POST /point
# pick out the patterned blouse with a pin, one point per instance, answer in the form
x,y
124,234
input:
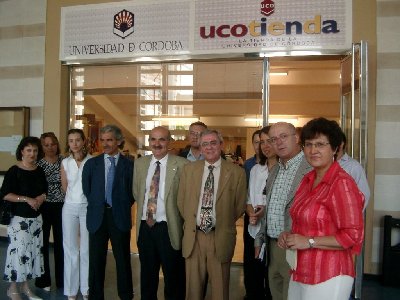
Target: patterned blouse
x,y
333,208
53,176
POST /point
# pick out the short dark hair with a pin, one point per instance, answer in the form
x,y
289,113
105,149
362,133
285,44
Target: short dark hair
x,y
263,158
198,123
329,128
53,138
344,140
26,141
257,132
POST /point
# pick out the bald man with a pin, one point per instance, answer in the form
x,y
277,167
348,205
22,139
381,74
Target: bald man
x,y
282,184
159,224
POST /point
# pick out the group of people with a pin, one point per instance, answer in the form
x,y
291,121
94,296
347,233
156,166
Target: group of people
x,y
303,221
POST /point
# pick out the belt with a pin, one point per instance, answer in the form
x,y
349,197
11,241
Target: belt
x,y
273,239
198,228
161,222
107,205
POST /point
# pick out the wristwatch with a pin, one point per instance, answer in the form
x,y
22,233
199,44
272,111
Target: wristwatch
x,y
311,242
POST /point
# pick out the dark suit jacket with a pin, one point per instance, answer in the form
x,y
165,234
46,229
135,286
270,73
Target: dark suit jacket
x,y
229,206
93,184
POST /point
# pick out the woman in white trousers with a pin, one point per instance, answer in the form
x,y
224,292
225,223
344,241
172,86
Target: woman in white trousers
x,y
75,234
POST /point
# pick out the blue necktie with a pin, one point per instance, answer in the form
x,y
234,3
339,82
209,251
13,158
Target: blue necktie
x,y
110,180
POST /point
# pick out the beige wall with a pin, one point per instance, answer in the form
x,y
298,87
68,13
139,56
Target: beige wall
x,y
387,142
364,28
22,43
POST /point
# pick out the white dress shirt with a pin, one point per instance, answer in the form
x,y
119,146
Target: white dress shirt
x,y
161,214
216,173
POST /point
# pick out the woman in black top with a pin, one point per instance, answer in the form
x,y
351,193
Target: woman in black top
x,y
25,186
51,211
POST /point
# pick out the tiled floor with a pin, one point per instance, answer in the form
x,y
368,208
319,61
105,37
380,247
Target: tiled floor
x,y
372,289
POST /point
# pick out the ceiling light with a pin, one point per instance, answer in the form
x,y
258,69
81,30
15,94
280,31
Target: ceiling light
x,y
278,73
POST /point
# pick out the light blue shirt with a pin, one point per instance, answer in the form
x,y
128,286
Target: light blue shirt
x,y
107,165
191,157
355,170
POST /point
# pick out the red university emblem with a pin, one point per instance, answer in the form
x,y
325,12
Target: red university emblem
x,y
267,7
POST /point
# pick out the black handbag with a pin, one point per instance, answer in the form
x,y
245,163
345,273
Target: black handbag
x,y
5,213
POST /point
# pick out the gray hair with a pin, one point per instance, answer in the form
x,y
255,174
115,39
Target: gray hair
x,y
116,131
212,131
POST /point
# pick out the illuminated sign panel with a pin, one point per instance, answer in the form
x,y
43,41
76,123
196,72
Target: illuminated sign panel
x,y
149,28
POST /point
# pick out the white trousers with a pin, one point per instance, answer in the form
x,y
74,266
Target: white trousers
x,y
336,288
76,249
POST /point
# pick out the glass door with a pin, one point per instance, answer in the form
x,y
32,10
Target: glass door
x,y
354,79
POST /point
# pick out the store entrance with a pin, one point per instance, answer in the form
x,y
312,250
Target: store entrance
x,y
227,95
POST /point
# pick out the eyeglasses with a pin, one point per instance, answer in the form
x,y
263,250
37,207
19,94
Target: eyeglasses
x,y
212,144
317,145
282,137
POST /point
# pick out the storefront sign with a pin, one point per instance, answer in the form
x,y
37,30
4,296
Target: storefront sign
x,y
148,28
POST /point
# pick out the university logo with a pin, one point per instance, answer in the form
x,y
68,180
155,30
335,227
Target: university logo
x,y
267,7
123,23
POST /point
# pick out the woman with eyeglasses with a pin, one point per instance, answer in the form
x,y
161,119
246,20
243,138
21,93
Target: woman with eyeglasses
x,y
75,233
52,211
327,228
25,188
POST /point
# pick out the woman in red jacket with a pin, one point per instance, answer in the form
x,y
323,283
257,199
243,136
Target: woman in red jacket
x,y
327,228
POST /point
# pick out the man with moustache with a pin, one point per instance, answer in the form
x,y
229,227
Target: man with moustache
x,y
159,224
211,198
281,187
107,184
194,152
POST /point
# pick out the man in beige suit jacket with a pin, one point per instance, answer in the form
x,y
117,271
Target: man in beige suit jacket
x,y
210,252
160,243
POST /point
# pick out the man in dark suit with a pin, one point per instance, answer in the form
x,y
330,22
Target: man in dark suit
x,y
109,213
211,197
159,224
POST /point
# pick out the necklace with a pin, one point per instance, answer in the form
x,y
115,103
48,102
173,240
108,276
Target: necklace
x,y
29,167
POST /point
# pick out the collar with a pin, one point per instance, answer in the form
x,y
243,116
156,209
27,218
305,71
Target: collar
x,y
217,164
190,154
163,161
292,161
345,157
116,156
329,176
